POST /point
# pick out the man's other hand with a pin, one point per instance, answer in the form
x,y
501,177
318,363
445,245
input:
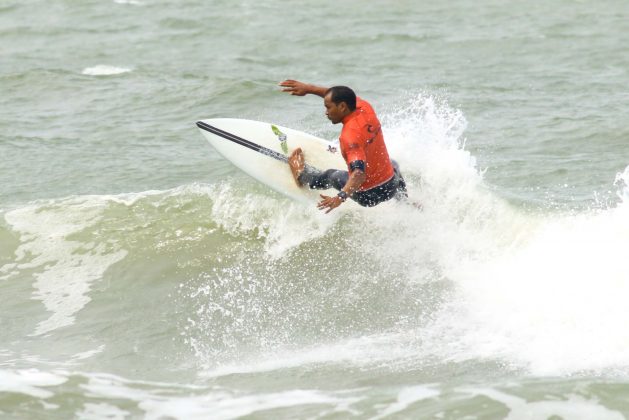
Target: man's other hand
x,y
295,87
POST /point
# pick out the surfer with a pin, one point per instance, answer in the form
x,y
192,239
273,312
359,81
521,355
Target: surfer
x,y
371,177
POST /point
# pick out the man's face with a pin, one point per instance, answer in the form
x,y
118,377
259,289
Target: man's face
x,y
334,112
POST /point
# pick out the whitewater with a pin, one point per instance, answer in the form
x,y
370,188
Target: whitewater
x,y
256,285
143,276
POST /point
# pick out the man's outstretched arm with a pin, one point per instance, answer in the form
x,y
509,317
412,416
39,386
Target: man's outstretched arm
x,y
298,88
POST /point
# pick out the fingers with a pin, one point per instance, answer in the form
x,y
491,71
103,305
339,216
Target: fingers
x,y
289,85
324,202
293,87
321,204
329,203
291,90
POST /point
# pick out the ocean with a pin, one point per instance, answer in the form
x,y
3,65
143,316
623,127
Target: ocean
x,y
143,276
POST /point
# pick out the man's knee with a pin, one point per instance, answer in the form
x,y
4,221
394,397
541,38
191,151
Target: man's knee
x,y
337,178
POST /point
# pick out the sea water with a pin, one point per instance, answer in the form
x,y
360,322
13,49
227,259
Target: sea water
x,y
143,276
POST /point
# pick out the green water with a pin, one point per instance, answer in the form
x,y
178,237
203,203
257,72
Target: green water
x,y
143,276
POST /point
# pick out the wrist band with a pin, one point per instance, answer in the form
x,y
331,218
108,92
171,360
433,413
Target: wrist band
x,y
342,195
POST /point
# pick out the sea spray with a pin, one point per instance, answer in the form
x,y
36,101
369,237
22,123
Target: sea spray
x,y
469,277
365,272
553,303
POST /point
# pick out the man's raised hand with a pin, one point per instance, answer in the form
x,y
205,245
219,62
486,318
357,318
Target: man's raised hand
x,y
295,87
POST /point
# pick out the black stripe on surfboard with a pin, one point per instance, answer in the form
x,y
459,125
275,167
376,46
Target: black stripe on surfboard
x,y
248,144
243,142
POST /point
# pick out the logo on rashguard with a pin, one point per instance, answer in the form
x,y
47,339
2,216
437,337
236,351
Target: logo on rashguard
x,y
371,130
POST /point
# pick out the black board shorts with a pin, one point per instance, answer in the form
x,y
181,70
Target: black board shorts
x,y
336,178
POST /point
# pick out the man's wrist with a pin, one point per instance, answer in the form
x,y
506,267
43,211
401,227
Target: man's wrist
x,y
342,195
316,90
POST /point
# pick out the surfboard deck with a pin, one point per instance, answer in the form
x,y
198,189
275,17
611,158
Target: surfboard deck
x,y
261,150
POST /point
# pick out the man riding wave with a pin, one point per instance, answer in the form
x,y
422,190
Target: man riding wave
x,y
372,177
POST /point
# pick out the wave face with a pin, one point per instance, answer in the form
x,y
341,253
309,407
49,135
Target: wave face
x,y
468,278
231,280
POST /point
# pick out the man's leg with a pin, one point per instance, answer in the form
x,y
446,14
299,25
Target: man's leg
x,y
401,192
332,178
315,179
395,188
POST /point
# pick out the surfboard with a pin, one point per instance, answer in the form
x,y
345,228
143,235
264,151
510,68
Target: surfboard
x,y
261,150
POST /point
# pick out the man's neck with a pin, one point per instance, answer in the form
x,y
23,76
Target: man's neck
x,y
347,117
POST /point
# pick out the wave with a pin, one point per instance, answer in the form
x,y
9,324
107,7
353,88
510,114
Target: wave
x,y
133,2
468,278
105,70
66,394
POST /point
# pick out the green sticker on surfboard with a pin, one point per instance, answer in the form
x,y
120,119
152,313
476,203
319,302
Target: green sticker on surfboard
x,y
281,137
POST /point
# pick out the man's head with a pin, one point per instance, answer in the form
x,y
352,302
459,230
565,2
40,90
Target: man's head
x,y
339,102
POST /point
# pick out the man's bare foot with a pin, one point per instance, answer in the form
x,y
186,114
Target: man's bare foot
x,y
297,164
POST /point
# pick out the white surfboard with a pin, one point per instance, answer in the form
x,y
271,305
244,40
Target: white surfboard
x,y
261,150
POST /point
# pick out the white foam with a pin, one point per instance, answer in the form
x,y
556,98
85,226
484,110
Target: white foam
x,y
89,353
134,2
104,70
543,293
460,222
406,397
48,406
554,304
361,351
283,224
216,403
30,382
622,183
574,407
63,269
460,219
102,411
226,406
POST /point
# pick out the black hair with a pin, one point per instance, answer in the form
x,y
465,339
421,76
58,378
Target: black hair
x,y
340,94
